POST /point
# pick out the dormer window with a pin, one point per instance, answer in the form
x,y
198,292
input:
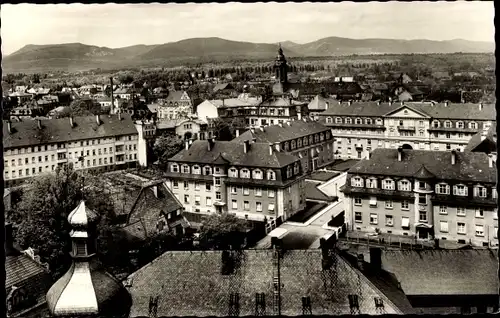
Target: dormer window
x,y
371,183
368,121
388,184
460,190
299,142
359,121
207,171
322,137
293,144
311,139
327,135
185,169
379,121
196,169
460,124
271,175
245,173
404,185
257,174
442,188
480,191
306,141
338,120
435,124
357,182
174,167
296,168
289,172
447,124
328,120
348,120
287,146
233,173
473,125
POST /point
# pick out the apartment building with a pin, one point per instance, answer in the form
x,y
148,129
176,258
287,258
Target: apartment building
x,y
360,127
445,195
251,180
176,105
308,140
35,147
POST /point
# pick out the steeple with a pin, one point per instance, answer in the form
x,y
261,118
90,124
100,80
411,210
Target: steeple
x,y
281,67
86,289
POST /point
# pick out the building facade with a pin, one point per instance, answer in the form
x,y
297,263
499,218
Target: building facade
x,y
176,105
32,148
360,127
428,194
250,180
308,140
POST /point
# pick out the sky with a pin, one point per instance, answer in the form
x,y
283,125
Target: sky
x,y
119,25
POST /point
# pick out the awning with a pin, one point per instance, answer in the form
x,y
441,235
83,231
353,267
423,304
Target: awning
x,y
405,222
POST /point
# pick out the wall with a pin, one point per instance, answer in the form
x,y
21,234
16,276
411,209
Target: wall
x,y
206,110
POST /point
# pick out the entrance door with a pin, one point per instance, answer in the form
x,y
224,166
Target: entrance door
x,y
359,154
314,164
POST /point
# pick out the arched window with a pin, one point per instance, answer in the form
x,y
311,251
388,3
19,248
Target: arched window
x,y
480,191
311,139
327,135
338,120
321,136
447,124
359,121
287,146
271,175
185,169
388,184
289,171
460,124
460,190
472,125
357,182
296,168
245,173
371,183
207,170
299,142
196,169
368,121
305,142
257,174
233,173
348,120
174,167
435,124
442,188
404,185
293,144
379,121
328,120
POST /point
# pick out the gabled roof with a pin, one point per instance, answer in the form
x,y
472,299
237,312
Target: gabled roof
x,y
444,272
469,166
27,133
223,86
174,95
277,133
257,156
488,144
200,272
313,193
423,173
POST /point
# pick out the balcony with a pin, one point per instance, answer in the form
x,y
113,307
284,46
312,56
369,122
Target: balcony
x,y
406,128
59,150
119,142
422,207
358,146
120,150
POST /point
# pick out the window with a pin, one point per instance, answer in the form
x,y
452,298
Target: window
x,y
435,124
358,217
258,206
460,190
368,121
186,184
208,187
174,168
233,172
461,211
494,193
389,220
404,185
217,181
460,228
460,124
480,192
348,120
257,174
388,184
271,193
405,222
472,125
358,201
442,188
443,226
207,170
443,209
175,184
422,216
479,230
245,173
271,175
371,183
270,208
246,191
235,205
246,205
479,213
373,201
218,195
422,199
208,201
357,182
196,170
234,190
388,204
358,121
373,218
447,124
186,198
338,120
258,192
197,186
197,200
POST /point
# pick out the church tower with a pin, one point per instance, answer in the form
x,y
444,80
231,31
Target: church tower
x,y
281,67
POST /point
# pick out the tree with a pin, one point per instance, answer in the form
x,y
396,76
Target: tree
x,y
166,146
83,107
41,215
222,231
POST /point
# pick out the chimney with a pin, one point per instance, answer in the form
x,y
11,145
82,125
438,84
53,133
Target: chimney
x,y
155,190
97,119
39,122
223,104
327,105
186,144
280,124
480,106
262,128
340,102
246,146
119,115
369,154
402,103
299,116
446,104
9,126
190,142
71,123
252,130
360,260
453,156
376,258
211,143
490,160
254,140
349,103
390,102
271,149
378,103
483,135
112,96
400,154
277,146
237,132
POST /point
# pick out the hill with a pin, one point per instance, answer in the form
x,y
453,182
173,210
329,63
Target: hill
x,y
77,56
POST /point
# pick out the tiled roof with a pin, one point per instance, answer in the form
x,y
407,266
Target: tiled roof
x,y
257,156
276,133
26,133
489,144
223,86
235,102
343,165
469,166
190,283
172,123
313,193
467,111
323,175
444,272
174,95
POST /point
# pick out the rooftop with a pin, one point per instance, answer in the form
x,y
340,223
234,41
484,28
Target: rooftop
x,y
313,193
469,166
324,176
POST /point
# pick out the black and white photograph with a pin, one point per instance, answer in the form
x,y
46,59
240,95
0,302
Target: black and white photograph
x,y
249,159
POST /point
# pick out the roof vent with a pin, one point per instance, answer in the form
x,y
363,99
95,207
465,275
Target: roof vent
x,y
400,154
39,122
480,106
9,126
490,160
277,146
453,156
211,143
97,119
246,146
378,103
262,128
271,149
71,123
446,104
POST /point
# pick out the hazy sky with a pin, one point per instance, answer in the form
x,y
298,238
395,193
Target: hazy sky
x,y
118,25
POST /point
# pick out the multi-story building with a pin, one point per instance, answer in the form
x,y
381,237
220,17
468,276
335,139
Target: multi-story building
x,y
251,180
446,195
186,128
308,140
361,127
35,147
176,105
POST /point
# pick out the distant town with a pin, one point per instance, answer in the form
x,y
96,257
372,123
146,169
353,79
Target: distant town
x,y
293,186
